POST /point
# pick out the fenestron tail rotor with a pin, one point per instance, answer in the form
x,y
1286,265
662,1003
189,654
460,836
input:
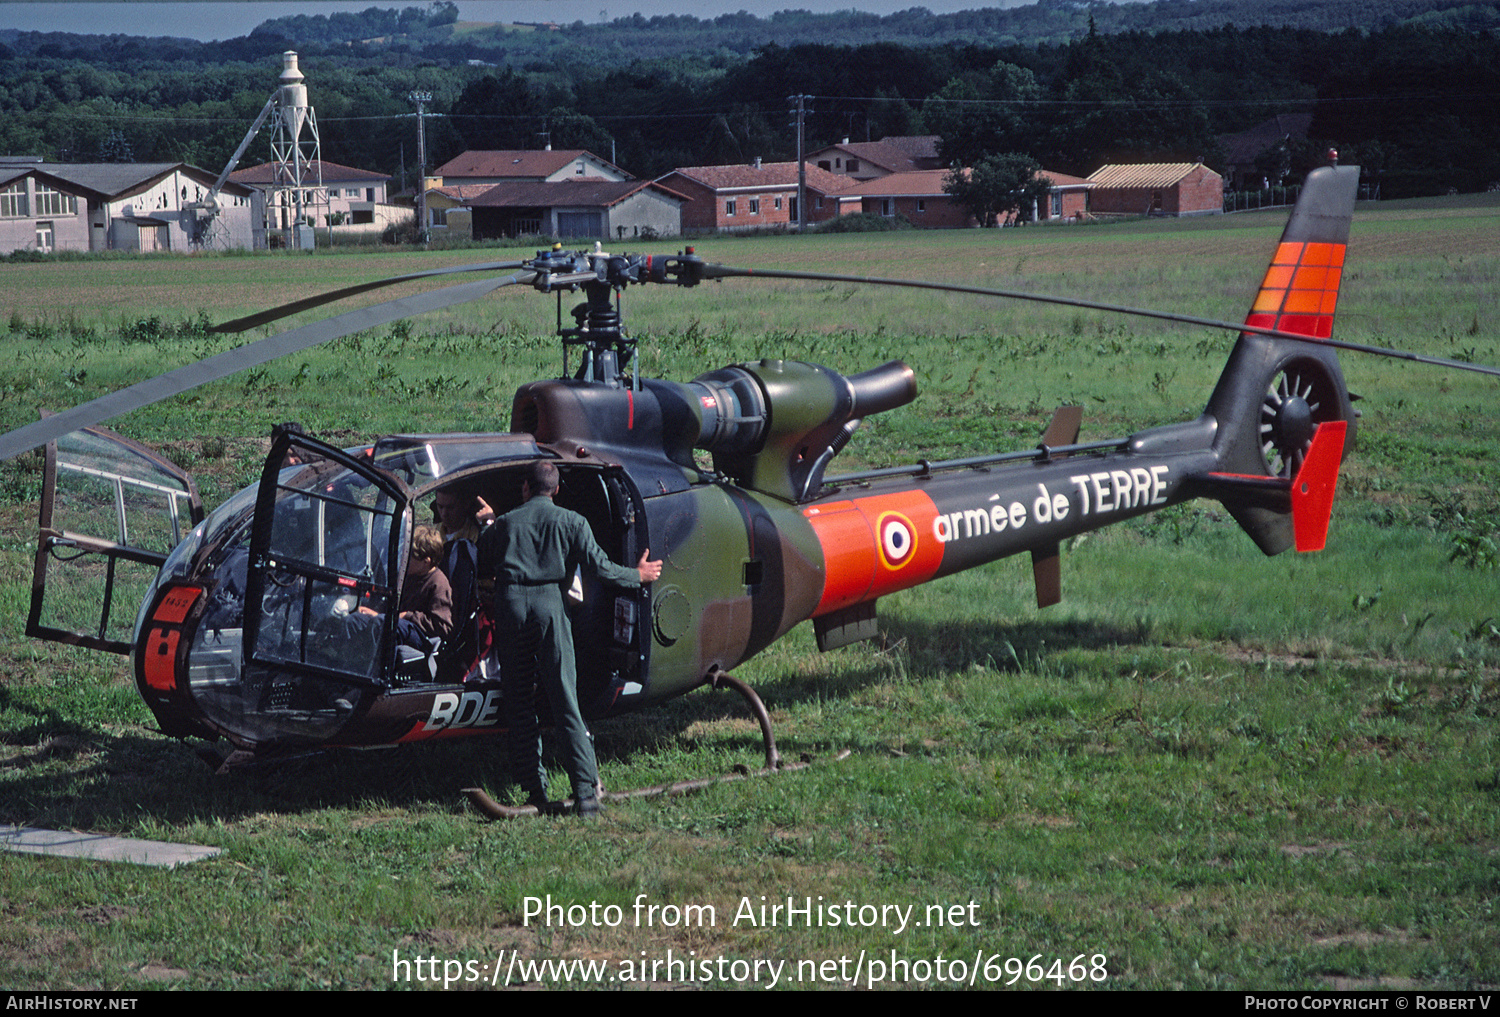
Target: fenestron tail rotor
x,y
1299,398
214,368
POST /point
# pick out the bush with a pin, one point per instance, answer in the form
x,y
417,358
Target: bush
x,y
864,222
403,232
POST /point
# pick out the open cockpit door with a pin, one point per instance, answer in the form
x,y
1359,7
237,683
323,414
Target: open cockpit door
x,y
111,512
327,550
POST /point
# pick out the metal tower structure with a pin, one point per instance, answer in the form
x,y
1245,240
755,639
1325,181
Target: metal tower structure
x,y
296,197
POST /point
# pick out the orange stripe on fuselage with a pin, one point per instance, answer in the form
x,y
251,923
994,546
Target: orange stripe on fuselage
x,y
874,545
1301,289
159,654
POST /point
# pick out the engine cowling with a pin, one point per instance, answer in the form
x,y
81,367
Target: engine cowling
x,y
771,426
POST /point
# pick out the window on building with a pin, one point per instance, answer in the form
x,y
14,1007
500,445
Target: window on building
x,y
13,204
51,202
778,204
44,237
755,206
823,164
729,206
1057,204
921,205
578,172
852,166
886,207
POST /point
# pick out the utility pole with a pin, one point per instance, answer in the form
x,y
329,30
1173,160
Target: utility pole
x,y
421,99
800,112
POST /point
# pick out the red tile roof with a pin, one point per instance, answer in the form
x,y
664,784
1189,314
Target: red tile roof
x,y
585,192
767,174
916,182
896,154
1063,179
515,163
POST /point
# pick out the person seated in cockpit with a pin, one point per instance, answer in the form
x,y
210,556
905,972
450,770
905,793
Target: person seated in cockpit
x,y
461,515
426,607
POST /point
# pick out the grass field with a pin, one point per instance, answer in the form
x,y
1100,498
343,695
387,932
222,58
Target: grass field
x,y
1204,769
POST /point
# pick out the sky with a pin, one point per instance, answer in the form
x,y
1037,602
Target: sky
x,y
228,19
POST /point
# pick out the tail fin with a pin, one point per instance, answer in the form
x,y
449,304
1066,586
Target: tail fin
x,y
1274,393
1312,488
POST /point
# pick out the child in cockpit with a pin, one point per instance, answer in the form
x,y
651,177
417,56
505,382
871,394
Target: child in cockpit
x,y
426,608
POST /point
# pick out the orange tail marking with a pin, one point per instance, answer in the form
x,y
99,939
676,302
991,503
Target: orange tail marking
x,y
1301,289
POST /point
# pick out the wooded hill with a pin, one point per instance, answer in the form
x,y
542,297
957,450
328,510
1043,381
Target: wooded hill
x,y
1408,88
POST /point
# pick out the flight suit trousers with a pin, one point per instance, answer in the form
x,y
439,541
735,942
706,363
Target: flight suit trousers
x,y
536,652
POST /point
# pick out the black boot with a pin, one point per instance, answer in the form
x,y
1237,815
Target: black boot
x,y
586,803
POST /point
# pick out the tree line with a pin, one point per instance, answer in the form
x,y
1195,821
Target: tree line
x,y
1416,100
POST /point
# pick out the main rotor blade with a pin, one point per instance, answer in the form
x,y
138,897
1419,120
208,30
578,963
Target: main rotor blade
x,y
307,303
223,365
711,271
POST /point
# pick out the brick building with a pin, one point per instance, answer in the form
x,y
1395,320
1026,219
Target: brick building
x,y
1175,188
917,195
756,196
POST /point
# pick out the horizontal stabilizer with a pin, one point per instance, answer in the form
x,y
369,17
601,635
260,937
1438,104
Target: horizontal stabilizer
x,y
1063,430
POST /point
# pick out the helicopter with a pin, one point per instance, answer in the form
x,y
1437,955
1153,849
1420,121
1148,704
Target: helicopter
x,y
250,631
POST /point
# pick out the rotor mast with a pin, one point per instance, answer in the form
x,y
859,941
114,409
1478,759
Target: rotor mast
x,y
598,328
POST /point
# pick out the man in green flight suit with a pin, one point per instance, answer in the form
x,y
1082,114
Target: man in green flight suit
x,y
532,552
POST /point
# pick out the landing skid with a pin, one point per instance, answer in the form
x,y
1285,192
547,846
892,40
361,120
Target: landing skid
x,y
717,680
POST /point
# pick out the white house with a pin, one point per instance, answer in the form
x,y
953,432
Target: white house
x,y
140,206
348,201
511,165
598,209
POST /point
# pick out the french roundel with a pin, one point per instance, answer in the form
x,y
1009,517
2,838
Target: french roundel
x,y
897,539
